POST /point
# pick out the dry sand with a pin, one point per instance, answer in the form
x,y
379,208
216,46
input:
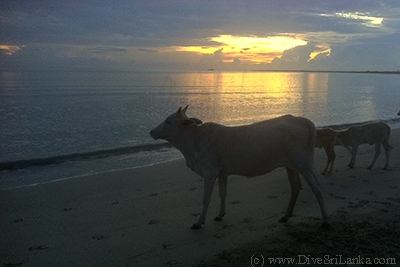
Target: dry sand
x,y
142,217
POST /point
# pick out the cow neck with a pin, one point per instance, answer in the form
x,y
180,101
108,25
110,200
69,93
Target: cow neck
x,y
189,142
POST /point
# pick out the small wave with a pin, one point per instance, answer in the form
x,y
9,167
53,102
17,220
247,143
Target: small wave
x,y
22,164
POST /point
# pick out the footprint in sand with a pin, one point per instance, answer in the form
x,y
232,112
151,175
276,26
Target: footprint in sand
x,y
174,263
100,237
248,220
41,247
337,196
166,245
219,235
361,203
154,221
12,264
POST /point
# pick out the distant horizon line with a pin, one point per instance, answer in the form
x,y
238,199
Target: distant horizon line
x,y
334,71
203,70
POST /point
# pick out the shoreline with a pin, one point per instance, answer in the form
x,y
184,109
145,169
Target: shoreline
x,y
12,166
142,217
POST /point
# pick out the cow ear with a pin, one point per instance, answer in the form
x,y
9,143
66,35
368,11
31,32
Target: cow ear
x,y
191,121
196,120
188,122
184,110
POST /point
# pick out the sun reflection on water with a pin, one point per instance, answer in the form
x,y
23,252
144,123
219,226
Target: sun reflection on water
x,y
242,98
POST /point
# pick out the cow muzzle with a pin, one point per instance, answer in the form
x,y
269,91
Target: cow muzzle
x,y
154,135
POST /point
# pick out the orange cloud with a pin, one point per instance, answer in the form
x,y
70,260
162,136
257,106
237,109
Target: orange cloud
x,y
251,49
322,49
10,49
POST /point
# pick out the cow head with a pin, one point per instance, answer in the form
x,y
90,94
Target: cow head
x,y
171,127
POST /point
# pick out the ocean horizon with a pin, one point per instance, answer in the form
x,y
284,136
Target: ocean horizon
x,y
57,125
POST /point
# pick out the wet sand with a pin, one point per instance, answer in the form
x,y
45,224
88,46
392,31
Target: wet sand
x,y
142,217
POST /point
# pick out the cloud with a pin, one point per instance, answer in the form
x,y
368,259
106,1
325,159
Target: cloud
x,y
365,18
147,33
107,49
294,58
147,50
253,49
10,49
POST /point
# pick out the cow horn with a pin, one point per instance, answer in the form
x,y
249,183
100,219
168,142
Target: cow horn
x,y
184,110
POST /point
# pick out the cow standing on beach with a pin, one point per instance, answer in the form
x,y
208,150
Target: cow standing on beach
x,y
327,138
216,151
377,133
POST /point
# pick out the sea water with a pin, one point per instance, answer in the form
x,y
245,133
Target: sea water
x,y
57,125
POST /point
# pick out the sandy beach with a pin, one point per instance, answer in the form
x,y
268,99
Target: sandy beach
x,y
142,217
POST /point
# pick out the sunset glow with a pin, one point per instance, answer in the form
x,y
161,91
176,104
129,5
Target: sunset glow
x,y
9,49
322,49
251,49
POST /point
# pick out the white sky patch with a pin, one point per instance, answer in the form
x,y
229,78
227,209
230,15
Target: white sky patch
x,y
368,20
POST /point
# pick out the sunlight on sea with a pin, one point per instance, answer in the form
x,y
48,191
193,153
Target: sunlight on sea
x,y
52,114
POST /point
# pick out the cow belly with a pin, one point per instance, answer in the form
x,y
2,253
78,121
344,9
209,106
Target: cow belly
x,y
252,166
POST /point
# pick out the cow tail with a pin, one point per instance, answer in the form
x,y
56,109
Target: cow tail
x,y
313,137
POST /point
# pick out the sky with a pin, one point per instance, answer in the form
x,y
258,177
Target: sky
x,y
189,35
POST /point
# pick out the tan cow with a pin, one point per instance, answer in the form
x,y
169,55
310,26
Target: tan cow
x,y
326,139
216,151
377,133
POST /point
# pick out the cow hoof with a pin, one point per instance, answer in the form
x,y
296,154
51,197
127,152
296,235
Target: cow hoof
x,y
283,220
196,226
218,219
326,225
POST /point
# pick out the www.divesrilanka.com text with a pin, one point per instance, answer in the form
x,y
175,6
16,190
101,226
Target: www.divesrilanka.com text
x,y
260,260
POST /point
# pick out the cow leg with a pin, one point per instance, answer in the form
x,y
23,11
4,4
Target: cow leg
x,y
327,161
377,153
330,154
353,156
313,183
222,186
295,186
326,167
387,148
332,158
209,182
